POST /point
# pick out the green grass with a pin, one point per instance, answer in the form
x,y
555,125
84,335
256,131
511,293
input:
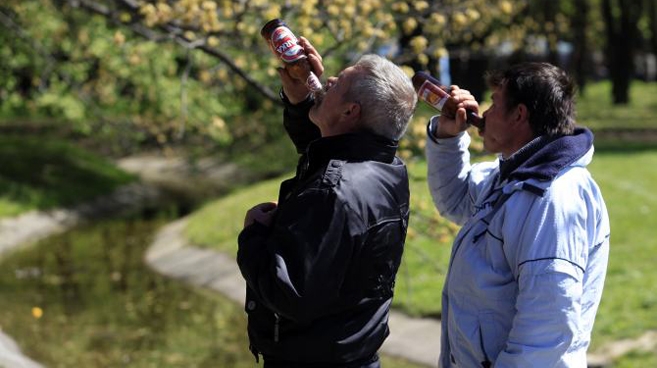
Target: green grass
x,y
630,296
43,173
596,111
637,359
217,224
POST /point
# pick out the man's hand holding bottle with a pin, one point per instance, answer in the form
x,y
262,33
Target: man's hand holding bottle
x,y
297,90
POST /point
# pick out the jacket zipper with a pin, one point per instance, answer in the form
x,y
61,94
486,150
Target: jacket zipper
x,y
276,325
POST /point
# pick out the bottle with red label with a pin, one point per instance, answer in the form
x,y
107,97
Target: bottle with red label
x,y
283,42
433,93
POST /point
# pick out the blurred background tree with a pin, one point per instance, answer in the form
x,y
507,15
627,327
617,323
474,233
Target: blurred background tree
x,y
157,72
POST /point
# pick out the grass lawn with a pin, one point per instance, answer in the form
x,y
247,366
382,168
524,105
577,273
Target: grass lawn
x,y
595,109
630,297
44,172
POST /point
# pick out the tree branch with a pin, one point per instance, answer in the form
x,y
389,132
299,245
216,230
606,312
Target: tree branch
x,y
174,33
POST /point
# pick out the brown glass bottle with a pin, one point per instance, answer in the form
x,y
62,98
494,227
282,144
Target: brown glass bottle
x,y
283,42
433,93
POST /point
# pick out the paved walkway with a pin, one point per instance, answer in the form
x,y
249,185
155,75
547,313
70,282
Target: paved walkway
x,y
414,339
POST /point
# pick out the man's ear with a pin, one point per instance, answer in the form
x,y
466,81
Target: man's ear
x,y
521,114
351,111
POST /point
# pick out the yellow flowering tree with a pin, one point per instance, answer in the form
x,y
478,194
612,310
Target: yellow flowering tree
x,y
201,65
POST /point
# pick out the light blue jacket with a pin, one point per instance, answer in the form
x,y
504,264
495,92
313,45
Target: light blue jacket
x,y
525,278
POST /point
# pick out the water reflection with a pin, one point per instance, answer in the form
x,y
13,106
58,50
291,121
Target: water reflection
x,y
85,299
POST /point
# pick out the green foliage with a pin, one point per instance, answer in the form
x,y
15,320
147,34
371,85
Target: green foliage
x,y
160,71
39,173
78,68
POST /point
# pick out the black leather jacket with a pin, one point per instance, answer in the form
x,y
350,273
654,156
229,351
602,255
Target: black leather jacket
x,y
320,279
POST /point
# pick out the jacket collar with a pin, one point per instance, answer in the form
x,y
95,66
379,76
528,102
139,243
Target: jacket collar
x,y
351,147
544,157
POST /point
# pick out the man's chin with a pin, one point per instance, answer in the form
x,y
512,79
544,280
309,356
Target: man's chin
x,y
318,96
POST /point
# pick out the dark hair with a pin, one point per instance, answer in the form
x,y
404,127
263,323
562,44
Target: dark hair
x,y
546,90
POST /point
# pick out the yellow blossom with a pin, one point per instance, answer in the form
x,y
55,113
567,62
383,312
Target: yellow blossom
x,y
401,7
423,59
272,11
333,10
460,19
506,7
119,38
209,5
408,70
472,14
409,25
421,5
190,35
213,41
218,122
125,17
418,44
37,312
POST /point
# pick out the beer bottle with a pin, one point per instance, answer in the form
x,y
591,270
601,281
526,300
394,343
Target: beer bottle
x,y
433,93
283,42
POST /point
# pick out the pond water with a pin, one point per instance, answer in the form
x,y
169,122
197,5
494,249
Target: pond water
x,y
85,298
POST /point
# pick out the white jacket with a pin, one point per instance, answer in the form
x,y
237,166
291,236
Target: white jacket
x,y
525,277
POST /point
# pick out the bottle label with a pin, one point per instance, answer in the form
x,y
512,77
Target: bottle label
x,y
286,45
433,95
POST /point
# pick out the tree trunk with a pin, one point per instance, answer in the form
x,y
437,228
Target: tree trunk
x,y
467,71
580,60
652,18
621,37
550,8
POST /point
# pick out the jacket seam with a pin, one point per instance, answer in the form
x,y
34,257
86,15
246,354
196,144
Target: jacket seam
x,y
552,258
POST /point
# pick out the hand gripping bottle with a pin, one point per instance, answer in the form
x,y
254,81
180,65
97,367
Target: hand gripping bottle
x,y
430,91
283,42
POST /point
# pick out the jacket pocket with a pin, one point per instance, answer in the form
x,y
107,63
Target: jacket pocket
x,y
492,337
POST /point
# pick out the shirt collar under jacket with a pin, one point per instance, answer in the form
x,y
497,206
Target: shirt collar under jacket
x,y
544,157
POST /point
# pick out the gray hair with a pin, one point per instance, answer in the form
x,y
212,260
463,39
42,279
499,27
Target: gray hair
x,y
386,96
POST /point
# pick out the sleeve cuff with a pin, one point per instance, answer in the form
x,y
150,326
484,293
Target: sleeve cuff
x,y
432,126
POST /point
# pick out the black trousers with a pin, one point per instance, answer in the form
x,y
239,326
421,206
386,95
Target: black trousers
x,y
372,362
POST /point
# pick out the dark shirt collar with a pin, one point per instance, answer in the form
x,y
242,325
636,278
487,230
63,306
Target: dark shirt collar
x,y
353,147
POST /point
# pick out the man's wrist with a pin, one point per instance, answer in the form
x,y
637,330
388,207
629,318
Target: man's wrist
x,y
434,133
309,98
